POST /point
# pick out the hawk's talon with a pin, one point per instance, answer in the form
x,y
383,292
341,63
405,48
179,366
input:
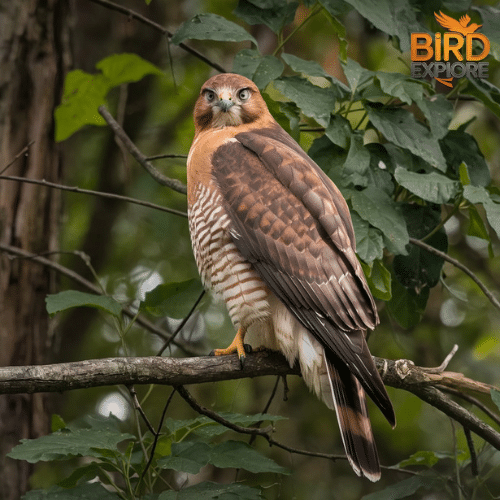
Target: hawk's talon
x,y
236,346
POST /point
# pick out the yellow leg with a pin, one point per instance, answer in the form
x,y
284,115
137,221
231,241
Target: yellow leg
x,y
236,345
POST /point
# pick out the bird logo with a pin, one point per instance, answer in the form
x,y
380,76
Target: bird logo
x,y
461,26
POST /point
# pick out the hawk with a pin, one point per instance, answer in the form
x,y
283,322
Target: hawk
x,y
272,235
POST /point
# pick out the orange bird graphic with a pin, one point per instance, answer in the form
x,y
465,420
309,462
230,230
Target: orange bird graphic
x,y
457,26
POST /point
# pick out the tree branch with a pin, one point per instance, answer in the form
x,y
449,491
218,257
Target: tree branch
x,y
460,266
75,189
140,320
174,184
401,374
158,27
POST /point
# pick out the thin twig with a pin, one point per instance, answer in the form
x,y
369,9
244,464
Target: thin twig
x,y
472,450
263,433
174,184
95,289
75,189
266,408
181,326
159,157
442,367
248,430
156,437
460,266
471,399
138,407
23,151
158,27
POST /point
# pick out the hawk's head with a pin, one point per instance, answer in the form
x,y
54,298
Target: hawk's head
x,y
228,100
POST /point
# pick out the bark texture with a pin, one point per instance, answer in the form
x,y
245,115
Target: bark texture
x,y
33,57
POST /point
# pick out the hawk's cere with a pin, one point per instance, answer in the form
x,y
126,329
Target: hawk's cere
x,y
272,235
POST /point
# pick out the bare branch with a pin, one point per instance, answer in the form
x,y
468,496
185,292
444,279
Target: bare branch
x,y
158,27
75,189
460,266
174,184
23,151
138,370
401,374
140,320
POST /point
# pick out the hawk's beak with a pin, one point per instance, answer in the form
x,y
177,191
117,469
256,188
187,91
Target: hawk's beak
x,y
225,101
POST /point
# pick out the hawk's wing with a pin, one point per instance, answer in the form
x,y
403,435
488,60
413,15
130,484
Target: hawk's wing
x,y
291,222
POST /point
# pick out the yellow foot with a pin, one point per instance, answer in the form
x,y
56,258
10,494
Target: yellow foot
x,y
237,346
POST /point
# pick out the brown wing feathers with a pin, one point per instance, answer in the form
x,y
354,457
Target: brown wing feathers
x,y
315,273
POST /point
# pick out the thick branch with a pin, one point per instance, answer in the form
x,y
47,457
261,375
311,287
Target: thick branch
x,y
146,370
401,374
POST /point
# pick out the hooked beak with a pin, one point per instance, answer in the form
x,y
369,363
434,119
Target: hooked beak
x,y
225,101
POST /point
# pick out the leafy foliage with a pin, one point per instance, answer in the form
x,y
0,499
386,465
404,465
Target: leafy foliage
x,y
388,141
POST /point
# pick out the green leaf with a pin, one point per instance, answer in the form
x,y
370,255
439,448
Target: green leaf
x,y
464,174
268,69
126,68
495,397
438,111
432,187
211,27
369,240
315,102
309,68
356,75
87,473
66,444
400,127
174,300
459,147
357,163
57,423
475,195
407,306
240,455
420,268
275,14
379,280
287,114
394,17
188,457
73,298
491,27
83,94
400,86
403,489
424,457
486,92
86,491
213,491
375,206
339,131
260,69
476,225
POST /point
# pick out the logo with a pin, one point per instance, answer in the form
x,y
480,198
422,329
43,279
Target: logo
x,y
433,59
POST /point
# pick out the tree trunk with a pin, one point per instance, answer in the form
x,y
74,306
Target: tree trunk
x,y
33,57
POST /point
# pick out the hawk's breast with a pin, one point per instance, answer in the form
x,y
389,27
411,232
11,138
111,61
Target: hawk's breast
x,y
221,265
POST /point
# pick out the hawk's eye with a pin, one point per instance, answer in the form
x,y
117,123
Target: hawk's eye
x,y
209,95
243,94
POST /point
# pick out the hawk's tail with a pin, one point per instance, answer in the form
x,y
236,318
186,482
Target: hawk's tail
x,y
349,400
